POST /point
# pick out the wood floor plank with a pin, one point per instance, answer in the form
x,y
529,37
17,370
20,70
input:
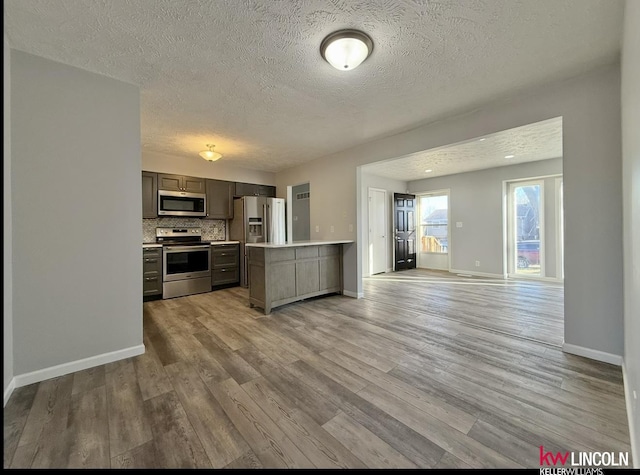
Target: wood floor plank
x,y
128,423
228,335
88,428
231,361
176,443
150,373
246,460
317,445
141,457
449,461
88,379
272,447
517,450
365,445
15,416
219,437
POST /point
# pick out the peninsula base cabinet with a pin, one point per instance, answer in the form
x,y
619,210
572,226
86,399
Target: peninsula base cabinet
x,y
278,276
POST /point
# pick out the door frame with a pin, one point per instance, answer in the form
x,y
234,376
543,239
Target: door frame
x,y
510,261
385,225
559,184
288,209
444,191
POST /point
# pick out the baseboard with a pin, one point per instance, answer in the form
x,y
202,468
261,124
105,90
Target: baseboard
x,y
390,269
477,274
79,365
593,354
354,295
628,397
9,391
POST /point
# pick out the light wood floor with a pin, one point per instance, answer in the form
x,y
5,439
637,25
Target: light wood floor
x,y
416,374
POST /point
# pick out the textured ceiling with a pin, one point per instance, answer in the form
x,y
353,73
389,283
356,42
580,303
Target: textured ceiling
x,y
529,143
247,75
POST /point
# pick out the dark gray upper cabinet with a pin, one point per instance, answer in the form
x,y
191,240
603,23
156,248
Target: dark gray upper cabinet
x,y
181,183
220,199
149,195
252,189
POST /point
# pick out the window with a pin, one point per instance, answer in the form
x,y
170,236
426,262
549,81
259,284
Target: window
x,y
434,223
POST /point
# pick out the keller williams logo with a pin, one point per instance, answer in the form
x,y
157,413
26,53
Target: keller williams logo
x,y
582,459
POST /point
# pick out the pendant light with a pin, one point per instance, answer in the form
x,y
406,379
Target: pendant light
x,y
346,49
210,155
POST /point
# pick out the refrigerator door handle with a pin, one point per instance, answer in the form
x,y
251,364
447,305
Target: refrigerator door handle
x,y
265,222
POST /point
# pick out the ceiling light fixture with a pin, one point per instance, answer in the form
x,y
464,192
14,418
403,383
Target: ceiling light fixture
x,y
428,171
482,140
509,156
210,155
346,49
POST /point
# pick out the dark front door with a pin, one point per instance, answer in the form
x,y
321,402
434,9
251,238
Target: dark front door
x,y
405,233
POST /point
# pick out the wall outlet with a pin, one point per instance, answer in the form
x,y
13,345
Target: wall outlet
x,y
477,263
458,224
317,228
332,229
351,228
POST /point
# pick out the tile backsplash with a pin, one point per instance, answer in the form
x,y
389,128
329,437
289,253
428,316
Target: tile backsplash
x,y
212,229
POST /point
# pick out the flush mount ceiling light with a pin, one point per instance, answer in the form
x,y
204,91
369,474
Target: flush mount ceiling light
x,y
210,155
509,156
346,49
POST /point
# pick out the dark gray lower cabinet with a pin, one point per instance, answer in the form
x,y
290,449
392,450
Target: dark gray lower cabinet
x,y
151,271
278,276
225,265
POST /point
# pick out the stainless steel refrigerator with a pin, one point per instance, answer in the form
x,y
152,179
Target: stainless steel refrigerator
x,y
256,219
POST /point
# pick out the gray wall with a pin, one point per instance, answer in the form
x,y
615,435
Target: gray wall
x,y
194,165
6,195
476,200
590,107
77,203
631,205
391,186
301,214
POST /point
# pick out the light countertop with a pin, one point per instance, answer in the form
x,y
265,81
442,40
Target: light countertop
x,y
218,243
151,244
213,243
269,245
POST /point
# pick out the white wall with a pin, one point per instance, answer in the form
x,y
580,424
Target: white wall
x,y
199,167
77,202
631,205
391,186
7,307
590,107
476,200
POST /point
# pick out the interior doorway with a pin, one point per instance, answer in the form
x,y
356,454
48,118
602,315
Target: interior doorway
x,y
299,212
378,230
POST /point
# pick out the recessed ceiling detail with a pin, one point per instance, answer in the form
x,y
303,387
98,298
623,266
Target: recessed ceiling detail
x,y
529,143
249,72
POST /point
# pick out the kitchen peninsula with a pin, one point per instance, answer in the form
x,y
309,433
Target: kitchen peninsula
x,y
283,273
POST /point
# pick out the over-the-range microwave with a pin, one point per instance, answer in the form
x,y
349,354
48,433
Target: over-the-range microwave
x,y
181,203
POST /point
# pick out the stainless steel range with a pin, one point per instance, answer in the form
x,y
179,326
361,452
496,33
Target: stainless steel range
x,y
186,262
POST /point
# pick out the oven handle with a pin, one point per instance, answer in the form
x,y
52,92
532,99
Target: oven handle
x,y
187,248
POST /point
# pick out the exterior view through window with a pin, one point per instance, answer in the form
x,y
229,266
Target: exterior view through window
x,y
434,223
528,209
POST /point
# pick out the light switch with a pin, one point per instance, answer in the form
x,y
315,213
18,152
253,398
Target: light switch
x,y
458,224
317,228
332,229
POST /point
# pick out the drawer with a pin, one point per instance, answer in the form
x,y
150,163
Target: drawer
x,y
152,285
306,252
151,252
229,259
330,250
224,248
151,265
225,275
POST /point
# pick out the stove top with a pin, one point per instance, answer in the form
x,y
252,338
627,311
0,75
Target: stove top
x,y
181,236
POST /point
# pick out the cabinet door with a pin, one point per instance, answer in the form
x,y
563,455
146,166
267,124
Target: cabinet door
x,y
149,195
193,185
220,199
246,189
170,182
267,190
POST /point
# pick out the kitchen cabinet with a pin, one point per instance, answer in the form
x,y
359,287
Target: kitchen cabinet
x,y
225,264
220,199
189,184
279,275
149,195
253,189
151,272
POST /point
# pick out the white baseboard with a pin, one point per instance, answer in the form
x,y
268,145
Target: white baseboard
x,y
79,365
390,269
9,390
477,274
628,397
354,295
593,354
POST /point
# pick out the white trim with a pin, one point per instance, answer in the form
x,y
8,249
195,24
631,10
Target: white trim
x,y
478,274
9,391
592,354
628,397
78,365
442,192
535,277
389,269
560,228
355,295
385,226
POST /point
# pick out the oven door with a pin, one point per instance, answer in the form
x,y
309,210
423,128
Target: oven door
x,y
186,262
181,203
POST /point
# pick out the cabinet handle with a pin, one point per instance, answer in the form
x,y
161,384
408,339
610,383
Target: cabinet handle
x,y
151,260
150,278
